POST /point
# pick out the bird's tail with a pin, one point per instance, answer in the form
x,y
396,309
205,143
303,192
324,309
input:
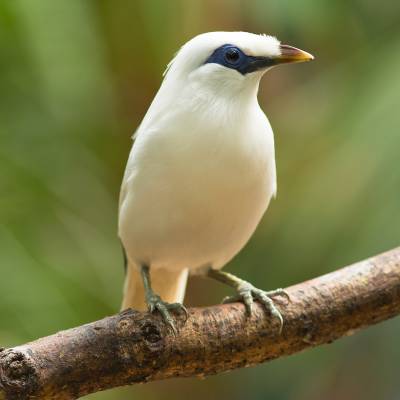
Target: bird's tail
x,y
169,285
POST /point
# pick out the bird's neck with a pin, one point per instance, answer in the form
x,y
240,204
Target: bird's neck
x,y
217,103
220,96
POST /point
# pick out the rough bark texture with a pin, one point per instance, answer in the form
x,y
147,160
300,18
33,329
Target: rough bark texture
x,y
133,347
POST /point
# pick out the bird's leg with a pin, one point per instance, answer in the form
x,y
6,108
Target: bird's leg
x,y
154,302
247,293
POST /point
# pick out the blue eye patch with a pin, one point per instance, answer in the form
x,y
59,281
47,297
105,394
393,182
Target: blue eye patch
x,y
232,57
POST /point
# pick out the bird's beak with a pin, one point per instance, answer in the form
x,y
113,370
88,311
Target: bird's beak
x,y
291,54
288,54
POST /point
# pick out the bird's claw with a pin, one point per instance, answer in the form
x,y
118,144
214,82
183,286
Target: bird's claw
x,y
247,293
154,303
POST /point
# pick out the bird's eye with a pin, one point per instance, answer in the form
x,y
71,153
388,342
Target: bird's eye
x,y
232,55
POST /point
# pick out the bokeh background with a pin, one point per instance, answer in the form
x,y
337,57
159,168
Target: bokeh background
x,y
76,78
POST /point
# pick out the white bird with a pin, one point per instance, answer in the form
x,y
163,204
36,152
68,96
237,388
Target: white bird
x,y
201,171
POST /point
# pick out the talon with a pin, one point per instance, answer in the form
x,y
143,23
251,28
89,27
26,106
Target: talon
x,y
279,292
231,299
163,309
286,295
180,308
278,315
248,293
270,306
185,311
248,302
154,303
172,327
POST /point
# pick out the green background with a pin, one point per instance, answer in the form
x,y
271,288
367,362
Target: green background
x,y
76,78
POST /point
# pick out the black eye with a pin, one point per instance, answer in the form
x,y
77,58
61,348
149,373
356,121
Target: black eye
x,y
232,55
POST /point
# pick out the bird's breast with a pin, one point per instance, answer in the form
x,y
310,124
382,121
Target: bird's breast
x,y
195,196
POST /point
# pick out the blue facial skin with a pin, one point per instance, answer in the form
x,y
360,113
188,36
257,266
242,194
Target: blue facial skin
x,y
232,57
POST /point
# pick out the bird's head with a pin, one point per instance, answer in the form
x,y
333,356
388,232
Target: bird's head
x,y
228,62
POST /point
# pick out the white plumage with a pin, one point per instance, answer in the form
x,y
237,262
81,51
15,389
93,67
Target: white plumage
x,y
201,171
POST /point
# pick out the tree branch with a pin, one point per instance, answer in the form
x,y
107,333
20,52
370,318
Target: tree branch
x,y
133,347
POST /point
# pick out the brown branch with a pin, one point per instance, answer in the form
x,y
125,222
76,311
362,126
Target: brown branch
x,y
133,347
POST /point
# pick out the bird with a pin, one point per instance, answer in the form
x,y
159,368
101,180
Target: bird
x,y
201,173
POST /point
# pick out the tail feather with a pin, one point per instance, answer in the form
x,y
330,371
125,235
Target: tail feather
x,y
169,285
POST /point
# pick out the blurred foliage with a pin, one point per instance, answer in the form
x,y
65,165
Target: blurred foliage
x,y
76,77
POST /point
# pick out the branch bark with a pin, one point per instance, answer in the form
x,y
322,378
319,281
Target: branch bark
x,y
133,347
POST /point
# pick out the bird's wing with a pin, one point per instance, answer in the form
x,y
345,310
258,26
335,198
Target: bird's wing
x,y
128,168
124,187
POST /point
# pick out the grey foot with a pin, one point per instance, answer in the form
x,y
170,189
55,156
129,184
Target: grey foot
x,y
154,303
247,293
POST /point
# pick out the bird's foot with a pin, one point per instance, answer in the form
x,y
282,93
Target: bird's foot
x,y
154,303
247,293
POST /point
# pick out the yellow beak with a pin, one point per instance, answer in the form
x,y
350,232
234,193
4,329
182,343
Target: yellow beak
x,y
291,54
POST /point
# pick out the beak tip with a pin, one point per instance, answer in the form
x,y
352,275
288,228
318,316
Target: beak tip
x,y
293,54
